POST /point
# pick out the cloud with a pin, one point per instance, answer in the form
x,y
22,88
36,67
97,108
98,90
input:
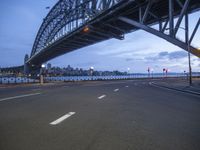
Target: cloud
x,y
129,59
168,56
177,55
163,54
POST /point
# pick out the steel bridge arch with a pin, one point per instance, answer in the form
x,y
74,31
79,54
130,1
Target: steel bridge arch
x,y
60,31
65,13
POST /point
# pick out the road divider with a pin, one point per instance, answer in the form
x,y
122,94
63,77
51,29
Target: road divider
x,y
61,119
20,96
101,97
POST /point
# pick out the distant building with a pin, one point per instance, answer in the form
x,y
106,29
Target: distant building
x,y
48,66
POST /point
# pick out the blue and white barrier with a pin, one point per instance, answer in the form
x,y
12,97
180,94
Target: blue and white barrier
x,y
16,80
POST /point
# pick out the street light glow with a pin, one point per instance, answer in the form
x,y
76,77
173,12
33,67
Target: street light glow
x,y
86,29
43,66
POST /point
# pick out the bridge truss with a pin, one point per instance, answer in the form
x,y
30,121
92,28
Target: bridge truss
x,y
73,24
67,16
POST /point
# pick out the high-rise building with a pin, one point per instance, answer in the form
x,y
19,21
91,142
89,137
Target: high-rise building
x,y
48,66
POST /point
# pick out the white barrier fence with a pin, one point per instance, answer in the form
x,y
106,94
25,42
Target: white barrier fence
x,y
92,78
16,80
123,77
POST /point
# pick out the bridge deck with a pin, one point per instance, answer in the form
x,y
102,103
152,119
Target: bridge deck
x,y
106,26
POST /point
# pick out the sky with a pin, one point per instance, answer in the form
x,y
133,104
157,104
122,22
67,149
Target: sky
x,y
20,22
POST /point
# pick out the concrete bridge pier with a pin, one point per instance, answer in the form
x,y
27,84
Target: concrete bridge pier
x,y
26,66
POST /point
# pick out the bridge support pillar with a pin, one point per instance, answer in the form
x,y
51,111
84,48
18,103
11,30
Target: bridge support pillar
x,y
26,66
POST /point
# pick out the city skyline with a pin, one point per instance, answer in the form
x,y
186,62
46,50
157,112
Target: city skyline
x,y
133,52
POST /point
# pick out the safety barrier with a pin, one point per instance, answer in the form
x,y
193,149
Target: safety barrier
x,y
16,80
91,78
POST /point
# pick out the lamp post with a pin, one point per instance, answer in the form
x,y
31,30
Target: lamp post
x,y
188,49
92,71
128,72
41,74
152,72
189,59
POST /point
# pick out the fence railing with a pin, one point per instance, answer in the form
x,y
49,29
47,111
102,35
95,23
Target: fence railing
x,y
17,80
121,77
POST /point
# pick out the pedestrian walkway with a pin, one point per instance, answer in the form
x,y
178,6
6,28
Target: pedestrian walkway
x,y
181,84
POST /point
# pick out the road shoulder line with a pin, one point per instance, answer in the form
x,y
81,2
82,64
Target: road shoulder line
x,y
171,88
20,96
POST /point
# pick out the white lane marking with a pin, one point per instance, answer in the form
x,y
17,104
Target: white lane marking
x,y
65,86
36,89
102,96
135,84
115,90
61,119
127,86
20,96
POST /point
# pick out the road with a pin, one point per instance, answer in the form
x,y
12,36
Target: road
x,y
104,115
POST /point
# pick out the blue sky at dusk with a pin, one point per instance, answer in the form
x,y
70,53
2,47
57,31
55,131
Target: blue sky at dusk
x,y
21,19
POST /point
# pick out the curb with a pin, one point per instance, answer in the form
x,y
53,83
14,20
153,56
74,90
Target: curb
x,y
185,91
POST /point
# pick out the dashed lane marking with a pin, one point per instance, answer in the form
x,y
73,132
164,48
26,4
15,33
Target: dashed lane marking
x,y
101,97
61,119
115,90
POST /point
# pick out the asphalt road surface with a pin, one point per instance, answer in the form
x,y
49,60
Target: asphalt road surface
x,y
106,115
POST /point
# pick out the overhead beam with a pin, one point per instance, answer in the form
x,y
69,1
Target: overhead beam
x,y
146,11
183,12
114,27
107,33
160,34
165,26
194,31
179,3
171,18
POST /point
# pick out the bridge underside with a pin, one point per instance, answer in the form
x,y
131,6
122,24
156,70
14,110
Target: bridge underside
x,y
125,17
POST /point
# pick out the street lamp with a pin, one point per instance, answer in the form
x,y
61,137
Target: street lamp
x,y
128,72
41,74
86,29
188,49
91,71
43,65
152,72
